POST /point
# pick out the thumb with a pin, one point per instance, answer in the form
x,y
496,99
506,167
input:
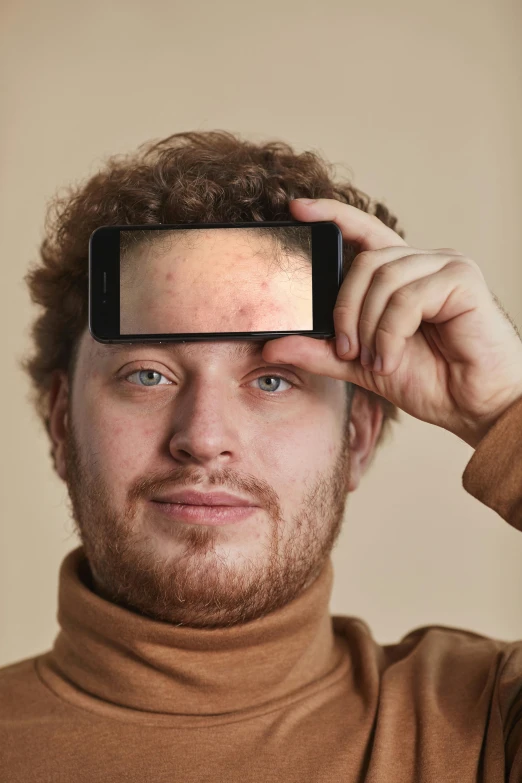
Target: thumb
x,y
316,356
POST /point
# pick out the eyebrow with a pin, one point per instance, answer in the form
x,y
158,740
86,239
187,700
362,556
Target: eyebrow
x,y
242,350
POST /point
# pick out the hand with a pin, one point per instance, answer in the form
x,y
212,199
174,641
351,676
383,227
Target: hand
x,y
440,347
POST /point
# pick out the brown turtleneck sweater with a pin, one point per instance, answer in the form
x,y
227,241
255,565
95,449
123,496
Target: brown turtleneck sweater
x,y
295,697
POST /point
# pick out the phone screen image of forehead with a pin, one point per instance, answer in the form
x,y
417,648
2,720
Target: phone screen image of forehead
x,y
215,280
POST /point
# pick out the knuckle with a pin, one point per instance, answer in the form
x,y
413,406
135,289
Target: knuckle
x,y
401,295
450,251
386,272
364,323
342,315
364,259
471,263
385,328
468,268
463,265
342,310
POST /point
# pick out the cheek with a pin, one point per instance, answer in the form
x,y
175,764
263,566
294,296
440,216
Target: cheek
x,y
331,449
121,444
291,454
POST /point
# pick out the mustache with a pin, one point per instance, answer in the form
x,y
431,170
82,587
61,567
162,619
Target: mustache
x,y
181,478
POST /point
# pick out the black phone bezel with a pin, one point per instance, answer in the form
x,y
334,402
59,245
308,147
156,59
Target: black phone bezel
x,y
104,282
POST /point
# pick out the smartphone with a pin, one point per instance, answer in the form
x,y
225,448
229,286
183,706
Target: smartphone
x,y
213,281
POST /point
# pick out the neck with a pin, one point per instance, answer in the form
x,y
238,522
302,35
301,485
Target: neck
x,y
133,661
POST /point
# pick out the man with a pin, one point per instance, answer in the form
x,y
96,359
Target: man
x,y
194,652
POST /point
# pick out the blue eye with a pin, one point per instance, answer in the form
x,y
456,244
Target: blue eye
x,y
150,377
147,376
272,378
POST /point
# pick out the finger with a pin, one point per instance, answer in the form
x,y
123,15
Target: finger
x,y
433,299
356,226
318,357
386,280
350,298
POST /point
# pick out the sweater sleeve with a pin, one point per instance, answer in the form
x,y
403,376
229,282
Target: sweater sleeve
x,y
494,473
494,476
507,704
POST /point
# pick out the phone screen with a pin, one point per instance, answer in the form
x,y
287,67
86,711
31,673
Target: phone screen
x,y
225,279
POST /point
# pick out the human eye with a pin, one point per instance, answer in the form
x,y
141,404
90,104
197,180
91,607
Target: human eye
x,y
148,375
272,377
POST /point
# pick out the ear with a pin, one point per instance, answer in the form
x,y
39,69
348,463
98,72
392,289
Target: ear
x,y
59,420
365,426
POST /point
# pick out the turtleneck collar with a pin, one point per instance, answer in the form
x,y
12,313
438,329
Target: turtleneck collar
x,y
115,655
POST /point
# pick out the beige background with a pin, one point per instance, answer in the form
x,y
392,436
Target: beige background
x,y
421,103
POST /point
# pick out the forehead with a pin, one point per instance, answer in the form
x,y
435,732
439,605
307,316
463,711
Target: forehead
x,y
219,280
212,246
235,350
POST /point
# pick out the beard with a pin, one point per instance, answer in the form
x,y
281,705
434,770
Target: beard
x,y
199,588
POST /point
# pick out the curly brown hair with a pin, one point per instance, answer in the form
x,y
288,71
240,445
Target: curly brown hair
x,y
192,177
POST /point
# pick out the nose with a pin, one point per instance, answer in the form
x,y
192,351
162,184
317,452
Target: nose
x,y
204,425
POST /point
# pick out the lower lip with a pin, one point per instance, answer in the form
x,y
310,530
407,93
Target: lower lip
x,y
205,515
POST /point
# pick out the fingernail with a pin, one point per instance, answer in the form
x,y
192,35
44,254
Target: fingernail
x,y
342,344
306,200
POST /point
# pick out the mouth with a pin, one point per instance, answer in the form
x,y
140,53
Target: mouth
x,y
192,497
199,514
